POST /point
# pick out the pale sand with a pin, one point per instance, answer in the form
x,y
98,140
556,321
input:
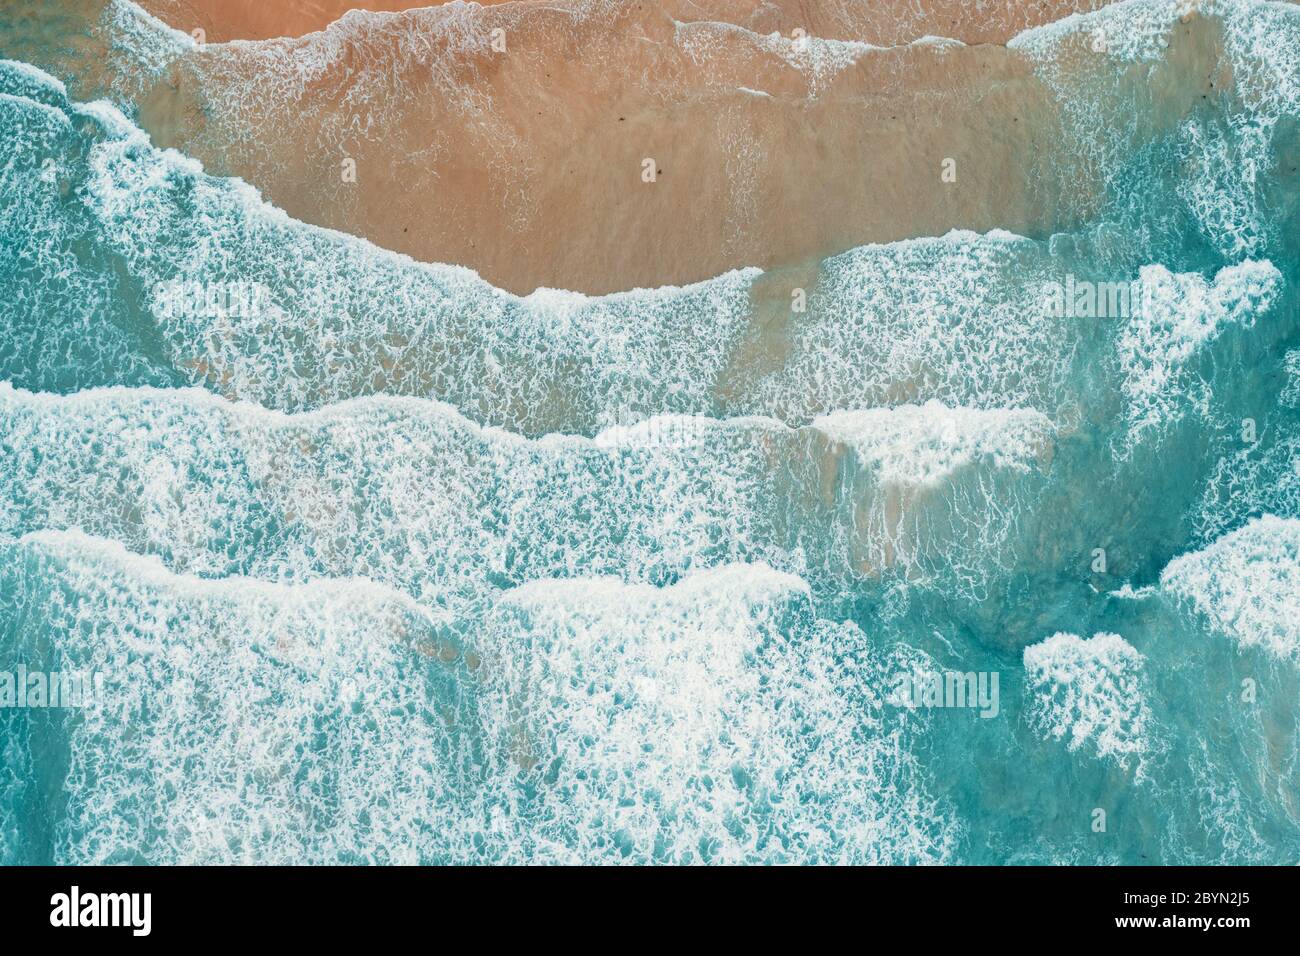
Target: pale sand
x,y
527,165
884,22
223,20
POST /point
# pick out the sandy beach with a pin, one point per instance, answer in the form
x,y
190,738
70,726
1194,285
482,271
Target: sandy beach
x,y
606,145
602,151
887,23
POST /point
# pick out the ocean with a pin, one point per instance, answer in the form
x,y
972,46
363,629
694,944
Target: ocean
x,y
902,467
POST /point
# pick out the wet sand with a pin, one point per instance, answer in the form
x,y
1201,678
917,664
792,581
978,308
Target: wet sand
x,y
884,23
610,146
530,166
223,20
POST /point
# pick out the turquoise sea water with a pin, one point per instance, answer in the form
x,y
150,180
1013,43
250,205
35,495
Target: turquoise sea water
x,y
398,567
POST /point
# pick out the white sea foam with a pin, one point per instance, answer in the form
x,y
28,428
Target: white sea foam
x,y
1090,693
714,721
923,445
892,324
1255,479
404,490
1181,317
23,79
1261,40
714,707
411,493
230,727
818,59
1290,394
1132,31
1246,585
1103,66
940,495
